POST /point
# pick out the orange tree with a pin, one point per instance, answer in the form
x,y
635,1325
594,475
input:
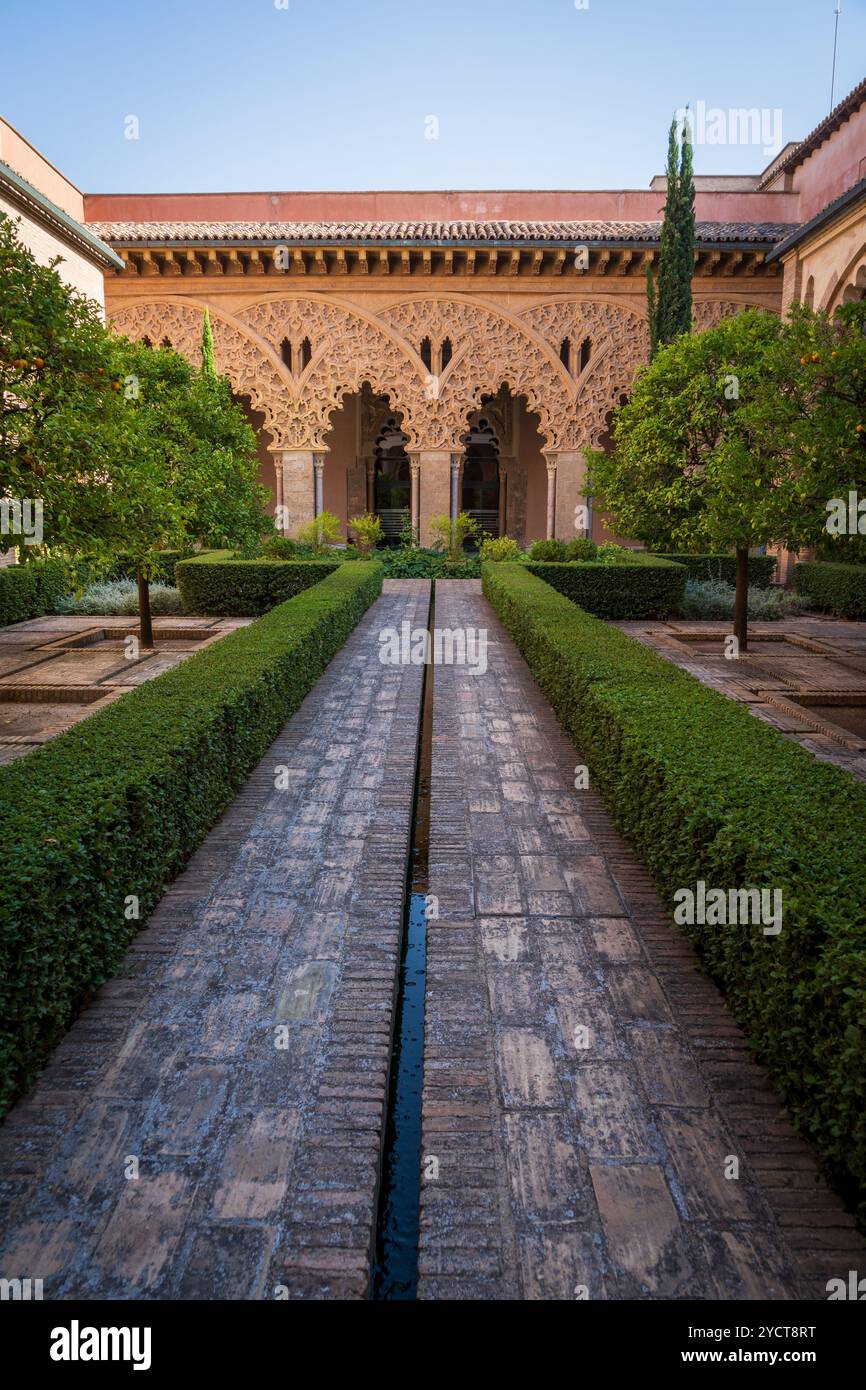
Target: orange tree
x,y
62,414
707,452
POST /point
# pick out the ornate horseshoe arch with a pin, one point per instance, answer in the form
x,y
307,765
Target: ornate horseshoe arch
x,y
348,347
490,349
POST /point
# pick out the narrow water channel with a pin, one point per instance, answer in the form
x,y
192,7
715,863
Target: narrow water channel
x,y
395,1272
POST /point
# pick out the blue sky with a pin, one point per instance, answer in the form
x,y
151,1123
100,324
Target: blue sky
x,y
328,94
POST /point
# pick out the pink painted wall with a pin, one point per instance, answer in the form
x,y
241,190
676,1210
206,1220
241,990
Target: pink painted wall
x,y
20,155
833,168
529,453
639,205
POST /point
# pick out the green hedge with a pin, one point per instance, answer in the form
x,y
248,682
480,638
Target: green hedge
x,y
703,790
220,583
115,806
644,587
761,567
162,564
30,590
837,589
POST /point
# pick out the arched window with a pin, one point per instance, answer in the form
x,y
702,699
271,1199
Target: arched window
x,y
565,353
447,352
286,353
426,353
583,359
306,353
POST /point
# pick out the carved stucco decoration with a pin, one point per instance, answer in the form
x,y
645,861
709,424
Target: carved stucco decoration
x,y
619,345
248,363
707,313
490,350
348,349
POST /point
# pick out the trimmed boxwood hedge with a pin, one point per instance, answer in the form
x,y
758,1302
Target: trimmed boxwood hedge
x,y
220,583
162,564
31,590
643,587
703,790
835,588
724,567
114,807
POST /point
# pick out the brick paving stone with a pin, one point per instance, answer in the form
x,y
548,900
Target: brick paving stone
x,y
241,1055
585,1087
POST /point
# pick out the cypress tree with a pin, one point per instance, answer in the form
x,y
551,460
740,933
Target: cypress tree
x,y
208,363
669,303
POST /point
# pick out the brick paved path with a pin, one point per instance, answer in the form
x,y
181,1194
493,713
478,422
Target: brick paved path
x,y
258,1164
566,1167
559,1166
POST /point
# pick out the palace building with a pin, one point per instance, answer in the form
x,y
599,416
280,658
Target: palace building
x,y
422,353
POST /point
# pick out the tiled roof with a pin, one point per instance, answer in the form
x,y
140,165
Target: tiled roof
x,y
823,130
120,233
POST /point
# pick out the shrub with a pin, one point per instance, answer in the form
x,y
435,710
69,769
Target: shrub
x,y
837,589
30,590
282,548
723,567
499,549
222,584
712,598
115,806
453,533
640,587
119,597
322,533
367,530
581,548
414,562
550,550
705,791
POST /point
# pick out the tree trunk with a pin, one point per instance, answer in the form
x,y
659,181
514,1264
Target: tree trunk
x,y
145,624
741,600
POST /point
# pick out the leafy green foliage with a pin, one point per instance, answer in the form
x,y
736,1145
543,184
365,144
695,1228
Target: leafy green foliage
x,y
116,806
367,532
581,548
208,362
499,548
703,790
452,533
553,551
221,583
641,587
322,533
836,589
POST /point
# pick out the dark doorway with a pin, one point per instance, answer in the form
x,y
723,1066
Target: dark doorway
x,y
480,493
393,481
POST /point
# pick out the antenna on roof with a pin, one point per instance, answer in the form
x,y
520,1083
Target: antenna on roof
x,y
837,12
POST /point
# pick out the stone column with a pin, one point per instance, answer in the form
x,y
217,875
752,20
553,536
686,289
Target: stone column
x,y
319,470
455,486
298,495
551,460
434,490
415,494
279,509
570,494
